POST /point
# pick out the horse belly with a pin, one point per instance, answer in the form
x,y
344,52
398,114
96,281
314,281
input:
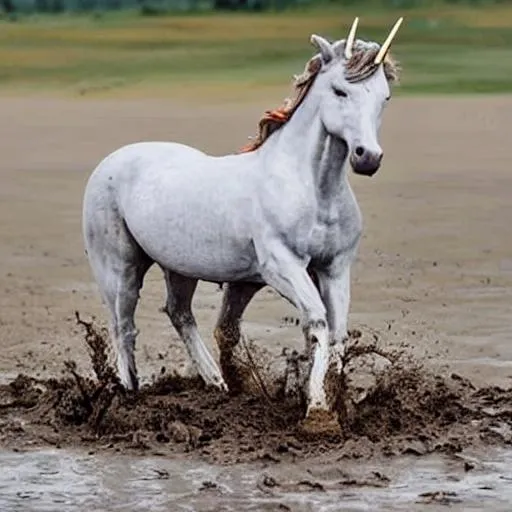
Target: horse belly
x,y
212,257
201,239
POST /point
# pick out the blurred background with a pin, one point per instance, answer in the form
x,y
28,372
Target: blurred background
x,y
192,46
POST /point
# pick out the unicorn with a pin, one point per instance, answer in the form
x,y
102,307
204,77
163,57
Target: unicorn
x,y
280,213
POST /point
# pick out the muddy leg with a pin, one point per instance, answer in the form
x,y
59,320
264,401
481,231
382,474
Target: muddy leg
x,y
288,277
227,331
335,291
127,296
120,277
334,285
120,292
180,291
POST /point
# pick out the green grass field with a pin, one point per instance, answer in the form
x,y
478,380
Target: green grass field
x,y
442,50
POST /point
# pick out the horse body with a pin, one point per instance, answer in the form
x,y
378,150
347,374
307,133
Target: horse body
x,y
162,190
265,217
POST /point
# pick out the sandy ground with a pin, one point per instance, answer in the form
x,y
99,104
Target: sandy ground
x,y
434,266
434,271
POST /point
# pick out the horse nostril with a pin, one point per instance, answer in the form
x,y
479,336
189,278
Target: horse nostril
x,y
359,151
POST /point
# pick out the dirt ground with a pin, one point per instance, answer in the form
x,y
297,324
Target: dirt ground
x,y
434,271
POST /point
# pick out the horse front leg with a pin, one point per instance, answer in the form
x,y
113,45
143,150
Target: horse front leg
x,y
334,286
286,274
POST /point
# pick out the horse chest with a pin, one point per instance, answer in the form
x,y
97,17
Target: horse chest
x,y
335,232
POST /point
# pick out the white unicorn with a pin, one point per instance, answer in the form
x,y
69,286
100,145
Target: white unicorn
x,y
275,214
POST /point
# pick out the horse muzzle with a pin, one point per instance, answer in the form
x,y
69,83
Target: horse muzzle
x,y
365,162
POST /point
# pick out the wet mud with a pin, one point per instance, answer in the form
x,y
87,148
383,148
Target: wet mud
x,y
387,404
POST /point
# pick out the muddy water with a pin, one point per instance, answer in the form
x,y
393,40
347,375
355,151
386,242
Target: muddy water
x,y
48,480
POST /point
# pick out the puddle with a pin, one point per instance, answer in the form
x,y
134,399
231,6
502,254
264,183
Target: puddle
x,y
45,480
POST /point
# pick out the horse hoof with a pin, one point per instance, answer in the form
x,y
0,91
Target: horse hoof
x,y
320,422
219,383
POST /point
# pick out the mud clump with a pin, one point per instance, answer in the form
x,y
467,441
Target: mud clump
x,y
386,404
408,401
410,410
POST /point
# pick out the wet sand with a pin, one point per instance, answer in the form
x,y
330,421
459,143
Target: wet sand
x,y
434,270
76,481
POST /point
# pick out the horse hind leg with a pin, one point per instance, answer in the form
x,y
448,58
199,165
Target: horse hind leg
x,y
180,291
237,297
119,266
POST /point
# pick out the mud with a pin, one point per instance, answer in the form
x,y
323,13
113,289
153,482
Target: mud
x,y
399,408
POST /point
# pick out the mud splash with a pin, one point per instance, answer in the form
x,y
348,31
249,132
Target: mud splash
x,y
390,405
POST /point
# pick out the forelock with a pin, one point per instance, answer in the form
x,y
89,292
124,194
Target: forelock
x,y
361,65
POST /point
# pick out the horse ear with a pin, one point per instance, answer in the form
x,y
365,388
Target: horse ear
x,y
326,49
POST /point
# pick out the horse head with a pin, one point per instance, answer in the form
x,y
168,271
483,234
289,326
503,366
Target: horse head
x,y
352,86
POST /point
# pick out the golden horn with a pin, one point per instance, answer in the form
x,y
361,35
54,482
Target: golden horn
x,y
350,39
387,43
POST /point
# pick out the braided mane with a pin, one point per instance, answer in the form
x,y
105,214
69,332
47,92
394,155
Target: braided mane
x,y
359,67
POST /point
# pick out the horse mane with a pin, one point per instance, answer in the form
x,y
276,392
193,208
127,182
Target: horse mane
x,y
359,67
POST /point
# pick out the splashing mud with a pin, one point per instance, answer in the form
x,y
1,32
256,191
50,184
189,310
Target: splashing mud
x,y
389,404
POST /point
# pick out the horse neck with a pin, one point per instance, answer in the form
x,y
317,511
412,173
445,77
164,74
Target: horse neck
x,y
305,147
332,177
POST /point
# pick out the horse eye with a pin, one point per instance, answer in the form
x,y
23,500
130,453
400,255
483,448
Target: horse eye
x,y
388,98
339,92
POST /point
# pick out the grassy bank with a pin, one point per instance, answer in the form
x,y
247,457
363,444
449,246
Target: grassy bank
x,y
442,50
